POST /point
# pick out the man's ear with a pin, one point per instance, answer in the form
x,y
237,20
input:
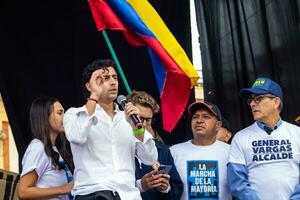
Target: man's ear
x,y
228,135
218,125
278,102
88,87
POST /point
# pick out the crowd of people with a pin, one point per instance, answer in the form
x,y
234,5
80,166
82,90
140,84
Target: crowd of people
x,y
100,151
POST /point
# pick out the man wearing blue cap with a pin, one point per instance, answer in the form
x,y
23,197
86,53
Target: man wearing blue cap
x,y
264,157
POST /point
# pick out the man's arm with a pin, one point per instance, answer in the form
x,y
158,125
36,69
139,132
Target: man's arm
x,y
145,146
146,151
28,189
237,175
296,194
77,122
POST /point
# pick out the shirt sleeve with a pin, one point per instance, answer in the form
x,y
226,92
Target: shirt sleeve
x,y
77,124
146,151
138,184
236,154
35,158
296,194
175,180
237,175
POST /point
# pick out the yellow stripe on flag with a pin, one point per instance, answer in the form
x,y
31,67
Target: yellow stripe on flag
x,y
153,21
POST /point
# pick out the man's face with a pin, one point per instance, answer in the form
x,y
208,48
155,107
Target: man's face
x,y
110,84
263,106
146,115
204,124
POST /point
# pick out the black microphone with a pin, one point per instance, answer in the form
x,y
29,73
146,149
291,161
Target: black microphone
x,y
134,118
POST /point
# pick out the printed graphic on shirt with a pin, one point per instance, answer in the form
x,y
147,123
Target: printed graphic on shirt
x,y
203,179
267,150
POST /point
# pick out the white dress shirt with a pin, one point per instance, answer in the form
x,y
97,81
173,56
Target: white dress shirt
x,y
104,151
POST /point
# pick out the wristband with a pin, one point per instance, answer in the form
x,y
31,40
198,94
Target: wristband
x,y
138,131
91,99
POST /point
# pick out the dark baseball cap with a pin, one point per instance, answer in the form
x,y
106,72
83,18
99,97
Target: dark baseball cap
x,y
205,105
225,124
262,86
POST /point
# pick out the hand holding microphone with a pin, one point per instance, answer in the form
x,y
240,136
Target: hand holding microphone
x,y
131,111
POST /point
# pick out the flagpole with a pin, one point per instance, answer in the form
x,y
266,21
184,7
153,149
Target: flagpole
x,y
112,52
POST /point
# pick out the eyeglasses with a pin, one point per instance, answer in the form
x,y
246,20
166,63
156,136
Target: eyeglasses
x,y
258,98
148,120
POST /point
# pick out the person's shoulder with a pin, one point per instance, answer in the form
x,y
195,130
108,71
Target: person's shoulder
x,y
247,130
35,149
74,110
36,144
292,128
222,147
162,150
285,123
223,144
179,145
160,145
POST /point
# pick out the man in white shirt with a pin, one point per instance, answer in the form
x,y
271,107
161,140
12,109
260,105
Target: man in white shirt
x,y
104,141
265,156
201,162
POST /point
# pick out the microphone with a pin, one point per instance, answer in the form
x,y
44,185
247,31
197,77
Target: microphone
x,y
134,118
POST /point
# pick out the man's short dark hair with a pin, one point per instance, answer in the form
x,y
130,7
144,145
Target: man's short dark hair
x,y
90,68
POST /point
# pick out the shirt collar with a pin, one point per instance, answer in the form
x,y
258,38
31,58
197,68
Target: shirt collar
x,y
268,129
116,107
98,107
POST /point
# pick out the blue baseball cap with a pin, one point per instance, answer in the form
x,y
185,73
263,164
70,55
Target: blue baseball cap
x,y
262,86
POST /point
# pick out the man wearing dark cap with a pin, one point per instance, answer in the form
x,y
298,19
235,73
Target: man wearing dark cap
x,y
201,162
264,157
224,133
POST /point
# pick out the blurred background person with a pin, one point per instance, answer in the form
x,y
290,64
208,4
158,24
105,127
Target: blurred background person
x,y
224,134
152,185
45,174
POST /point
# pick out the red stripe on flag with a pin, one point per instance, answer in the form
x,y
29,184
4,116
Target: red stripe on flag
x,y
105,18
176,89
177,84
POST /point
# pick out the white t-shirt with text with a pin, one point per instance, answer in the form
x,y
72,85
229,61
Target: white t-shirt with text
x,y
272,160
202,169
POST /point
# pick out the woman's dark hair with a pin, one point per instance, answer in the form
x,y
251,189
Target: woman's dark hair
x,y
40,111
90,68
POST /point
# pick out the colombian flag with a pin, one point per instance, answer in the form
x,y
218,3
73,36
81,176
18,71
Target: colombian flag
x,y
142,26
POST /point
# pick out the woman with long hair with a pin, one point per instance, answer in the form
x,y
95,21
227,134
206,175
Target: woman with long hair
x,y
47,163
